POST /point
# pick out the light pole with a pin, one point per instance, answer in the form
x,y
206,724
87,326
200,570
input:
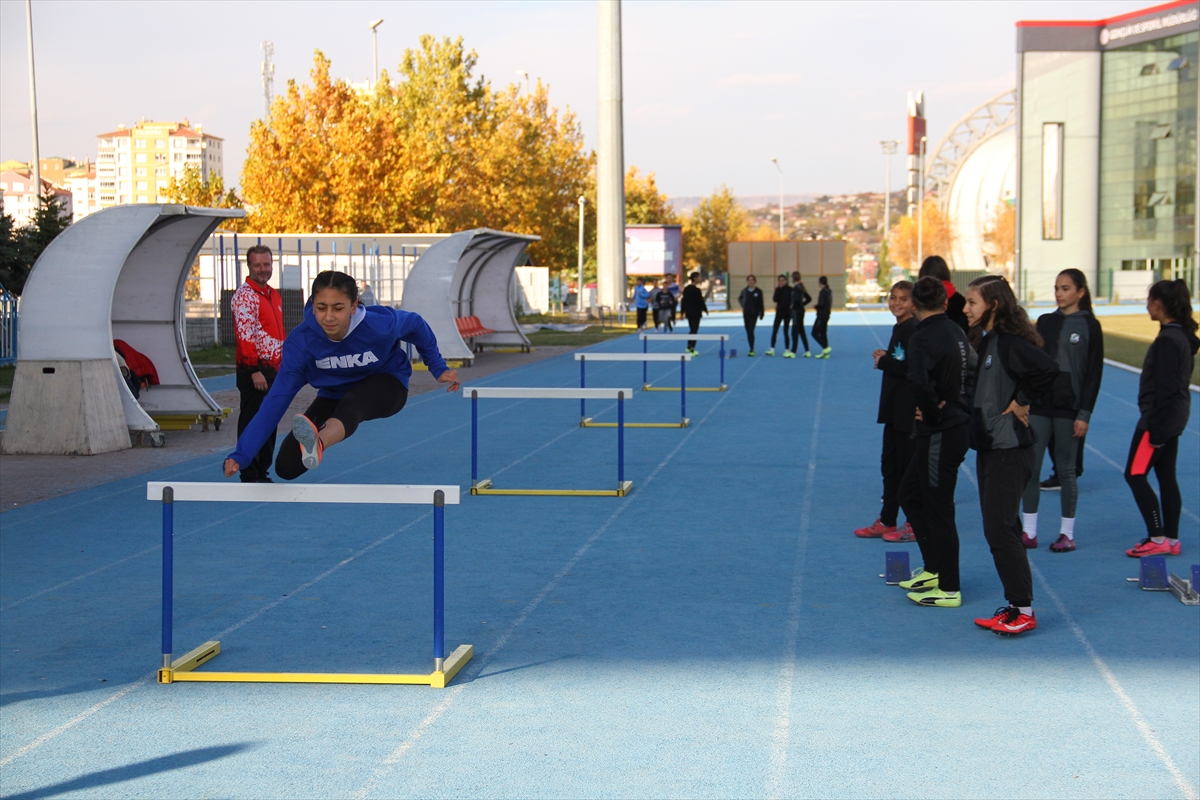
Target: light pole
x,y
889,149
375,49
775,161
37,160
524,75
579,286
921,204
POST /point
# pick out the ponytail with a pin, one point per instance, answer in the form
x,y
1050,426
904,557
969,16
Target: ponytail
x,y
1176,301
1080,281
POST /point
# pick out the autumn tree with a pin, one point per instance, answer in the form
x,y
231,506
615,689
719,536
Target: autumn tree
x,y
1000,238
708,230
644,204
937,237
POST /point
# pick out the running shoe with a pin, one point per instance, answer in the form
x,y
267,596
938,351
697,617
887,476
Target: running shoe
x,y
936,598
311,447
692,353
750,354
807,354
875,530
788,354
1063,544
903,534
1051,484
989,623
1030,542
1148,547
921,582
1013,623
770,352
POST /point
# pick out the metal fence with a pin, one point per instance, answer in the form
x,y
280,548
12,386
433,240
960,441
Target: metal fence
x,y
8,327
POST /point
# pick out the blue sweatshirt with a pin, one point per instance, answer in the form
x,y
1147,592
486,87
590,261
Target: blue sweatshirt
x,y
372,346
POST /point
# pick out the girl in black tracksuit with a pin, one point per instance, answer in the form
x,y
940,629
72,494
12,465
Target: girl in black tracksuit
x,y
693,306
751,301
800,299
1072,337
820,331
783,313
1165,403
1011,370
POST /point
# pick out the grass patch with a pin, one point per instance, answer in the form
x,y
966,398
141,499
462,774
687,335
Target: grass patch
x,y
223,354
1127,338
591,335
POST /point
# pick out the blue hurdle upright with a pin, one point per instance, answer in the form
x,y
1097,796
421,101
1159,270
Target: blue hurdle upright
x,y
587,422
175,670
684,337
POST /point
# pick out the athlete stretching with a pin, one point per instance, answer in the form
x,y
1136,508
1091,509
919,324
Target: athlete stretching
x,y
353,355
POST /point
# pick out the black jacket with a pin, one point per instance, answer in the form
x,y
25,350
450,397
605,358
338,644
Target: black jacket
x,y
939,361
782,299
800,297
896,403
1163,390
1008,368
1077,344
692,302
955,305
751,301
824,302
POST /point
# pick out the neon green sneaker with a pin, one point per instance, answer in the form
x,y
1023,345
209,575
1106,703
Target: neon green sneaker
x,y
936,598
788,354
807,354
750,354
922,581
770,352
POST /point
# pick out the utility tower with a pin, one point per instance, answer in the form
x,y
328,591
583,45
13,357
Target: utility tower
x,y
268,78
610,162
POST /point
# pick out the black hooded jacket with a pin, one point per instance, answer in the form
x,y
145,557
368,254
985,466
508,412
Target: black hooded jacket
x,y
939,361
1163,390
1076,342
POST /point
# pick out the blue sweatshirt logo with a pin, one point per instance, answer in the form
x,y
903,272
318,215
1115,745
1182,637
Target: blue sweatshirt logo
x,y
898,352
345,362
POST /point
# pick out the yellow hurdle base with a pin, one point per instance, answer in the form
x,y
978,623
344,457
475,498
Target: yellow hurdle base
x,y
649,387
181,671
485,487
588,422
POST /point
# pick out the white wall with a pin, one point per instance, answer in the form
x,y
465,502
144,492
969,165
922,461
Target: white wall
x,y
533,285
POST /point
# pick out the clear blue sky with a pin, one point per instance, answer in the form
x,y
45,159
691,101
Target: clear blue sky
x,y
713,90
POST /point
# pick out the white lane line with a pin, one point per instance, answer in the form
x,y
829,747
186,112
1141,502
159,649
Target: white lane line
x,y
1123,401
1131,708
1137,371
1121,469
787,672
397,754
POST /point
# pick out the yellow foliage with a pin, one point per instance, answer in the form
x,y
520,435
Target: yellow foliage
x,y
937,238
1001,237
709,229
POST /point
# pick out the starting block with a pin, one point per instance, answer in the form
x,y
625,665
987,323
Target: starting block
x,y
896,567
1155,577
683,358
685,337
182,669
529,393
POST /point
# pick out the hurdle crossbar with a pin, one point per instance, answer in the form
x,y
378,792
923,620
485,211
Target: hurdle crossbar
x,y
182,669
685,337
481,487
587,422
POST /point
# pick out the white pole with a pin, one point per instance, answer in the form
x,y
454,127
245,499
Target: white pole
x,y
610,161
920,202
775,161
579,285
889,147
37,159
374,26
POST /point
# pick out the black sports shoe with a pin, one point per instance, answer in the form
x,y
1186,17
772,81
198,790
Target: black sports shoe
x,y
1051,484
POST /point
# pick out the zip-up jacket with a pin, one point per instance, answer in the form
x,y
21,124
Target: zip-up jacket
x,y
1076,342
800,297
896,403
751,301
1163,389
1008,368
373,345
939,361
641,297
257,325
692,302
783,299
824,302
956,304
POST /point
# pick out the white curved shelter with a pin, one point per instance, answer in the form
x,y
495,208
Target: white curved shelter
x,y
986,180
116,274
467,275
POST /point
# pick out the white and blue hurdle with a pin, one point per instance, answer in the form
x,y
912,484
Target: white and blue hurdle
x,y
683,358
685,337
176,670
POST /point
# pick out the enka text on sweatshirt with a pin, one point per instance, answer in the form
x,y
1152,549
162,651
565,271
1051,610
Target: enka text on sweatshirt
x,y
939,361
1076,342
373,345
1163,389
1008,368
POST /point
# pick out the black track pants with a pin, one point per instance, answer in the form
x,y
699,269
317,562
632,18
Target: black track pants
x,y
251,400
820,331
373,397
641,317
751,321
893,462
1003,476
784,319
693,321
1142,459
927,497
798,334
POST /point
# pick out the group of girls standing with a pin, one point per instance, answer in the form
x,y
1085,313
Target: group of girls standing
x,y
790,304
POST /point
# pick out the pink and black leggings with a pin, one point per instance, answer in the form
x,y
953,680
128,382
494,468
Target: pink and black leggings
x,y
1162,521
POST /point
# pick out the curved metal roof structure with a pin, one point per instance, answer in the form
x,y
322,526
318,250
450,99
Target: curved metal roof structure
x,y
973,129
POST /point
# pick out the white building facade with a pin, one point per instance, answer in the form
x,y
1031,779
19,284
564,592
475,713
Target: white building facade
x,y
134,165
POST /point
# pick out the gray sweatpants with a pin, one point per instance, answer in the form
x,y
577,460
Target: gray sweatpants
x,y
1065,445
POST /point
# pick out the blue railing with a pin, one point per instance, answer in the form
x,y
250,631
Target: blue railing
x,y
8,327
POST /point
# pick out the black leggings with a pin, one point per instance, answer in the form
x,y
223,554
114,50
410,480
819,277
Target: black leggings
x,y
693,321
820,330
1142,459
374,397
798,334
927,497
783,318
751,321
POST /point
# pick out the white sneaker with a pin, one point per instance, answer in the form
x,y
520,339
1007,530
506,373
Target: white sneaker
x,y
311,447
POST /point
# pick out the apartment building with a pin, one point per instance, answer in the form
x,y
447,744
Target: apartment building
x,y
21,200
134,165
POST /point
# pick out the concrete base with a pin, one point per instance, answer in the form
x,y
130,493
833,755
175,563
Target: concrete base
x,y
65,408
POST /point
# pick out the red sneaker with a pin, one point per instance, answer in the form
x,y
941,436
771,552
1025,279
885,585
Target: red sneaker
x,y
1014,623
902,534
1063,544
989,623
875,530
1148,547
1030,542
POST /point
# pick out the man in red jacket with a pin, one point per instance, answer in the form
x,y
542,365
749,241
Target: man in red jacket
x,y
258,327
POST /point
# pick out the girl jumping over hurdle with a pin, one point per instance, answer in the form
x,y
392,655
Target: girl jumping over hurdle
x,y
353,355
